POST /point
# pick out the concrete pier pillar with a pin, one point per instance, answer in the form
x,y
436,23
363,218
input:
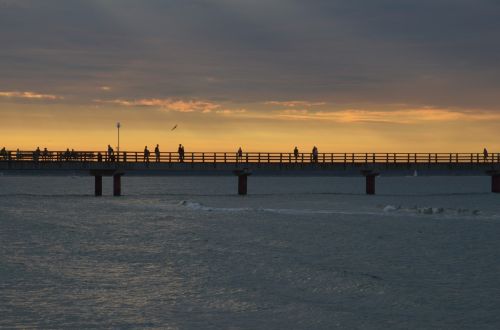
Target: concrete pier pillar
x,y
242,180
242,184
370,181
495,183
370,184
98,185
117,185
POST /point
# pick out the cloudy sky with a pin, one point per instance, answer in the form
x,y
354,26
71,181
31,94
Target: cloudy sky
x,y
346,75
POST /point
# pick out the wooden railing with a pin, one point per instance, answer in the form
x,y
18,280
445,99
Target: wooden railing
x,y
249,157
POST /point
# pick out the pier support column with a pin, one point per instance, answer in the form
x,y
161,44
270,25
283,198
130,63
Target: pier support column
x,y
242,180
370,181
117,185
495,183
242,184
98,185
370,184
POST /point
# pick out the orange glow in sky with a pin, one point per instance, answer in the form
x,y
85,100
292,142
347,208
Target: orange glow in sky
x,y
266,126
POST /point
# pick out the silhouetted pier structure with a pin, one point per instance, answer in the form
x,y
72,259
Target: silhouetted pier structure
x,y
369,165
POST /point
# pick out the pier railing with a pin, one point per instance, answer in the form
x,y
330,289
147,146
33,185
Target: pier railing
x,y
249,157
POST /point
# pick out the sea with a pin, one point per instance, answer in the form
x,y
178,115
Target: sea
x,y
295,253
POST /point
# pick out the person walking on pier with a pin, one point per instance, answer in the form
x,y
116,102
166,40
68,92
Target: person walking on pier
x,y
3,154
485,154
146,154
180,150
157,153
111,154
36,155
67,155
45,154
239,154
315,154
296,153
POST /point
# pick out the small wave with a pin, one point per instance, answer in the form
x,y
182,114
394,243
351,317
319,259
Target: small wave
x,y
429,210
200,207
394,210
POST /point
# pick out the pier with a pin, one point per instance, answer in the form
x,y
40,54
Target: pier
x,y
369,165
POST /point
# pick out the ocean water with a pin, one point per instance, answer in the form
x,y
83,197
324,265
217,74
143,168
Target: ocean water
x,y
296,253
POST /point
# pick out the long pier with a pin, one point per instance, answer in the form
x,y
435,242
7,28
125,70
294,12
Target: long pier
x,y
369,165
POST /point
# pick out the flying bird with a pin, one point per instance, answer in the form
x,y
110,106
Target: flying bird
x,y
174,127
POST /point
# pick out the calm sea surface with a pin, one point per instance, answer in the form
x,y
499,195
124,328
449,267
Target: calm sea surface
x,y
296,253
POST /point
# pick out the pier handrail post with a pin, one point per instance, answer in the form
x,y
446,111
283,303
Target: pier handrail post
x,y
345,158
268,158
281,158
373,158
203,157
387,158
366,158
136,156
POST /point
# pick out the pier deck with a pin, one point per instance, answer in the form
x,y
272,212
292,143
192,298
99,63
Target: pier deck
x,y
370,165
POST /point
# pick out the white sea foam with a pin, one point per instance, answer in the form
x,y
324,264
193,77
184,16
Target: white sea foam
x,y
391,209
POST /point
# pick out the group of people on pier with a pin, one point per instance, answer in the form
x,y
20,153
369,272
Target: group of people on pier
x,y
42,155
110,156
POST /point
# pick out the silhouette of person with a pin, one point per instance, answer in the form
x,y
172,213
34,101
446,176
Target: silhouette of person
x,y
146,154
110,153
239,154
45,155
315,154
3,153
485,154
66,154
296,153
157,153
36,155
180,150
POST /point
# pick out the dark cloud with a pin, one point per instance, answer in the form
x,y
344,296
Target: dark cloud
x,y
426,52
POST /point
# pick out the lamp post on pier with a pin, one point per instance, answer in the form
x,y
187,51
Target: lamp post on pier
x,y
118,147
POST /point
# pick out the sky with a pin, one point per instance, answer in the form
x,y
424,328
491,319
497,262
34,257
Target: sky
x,y
266,75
